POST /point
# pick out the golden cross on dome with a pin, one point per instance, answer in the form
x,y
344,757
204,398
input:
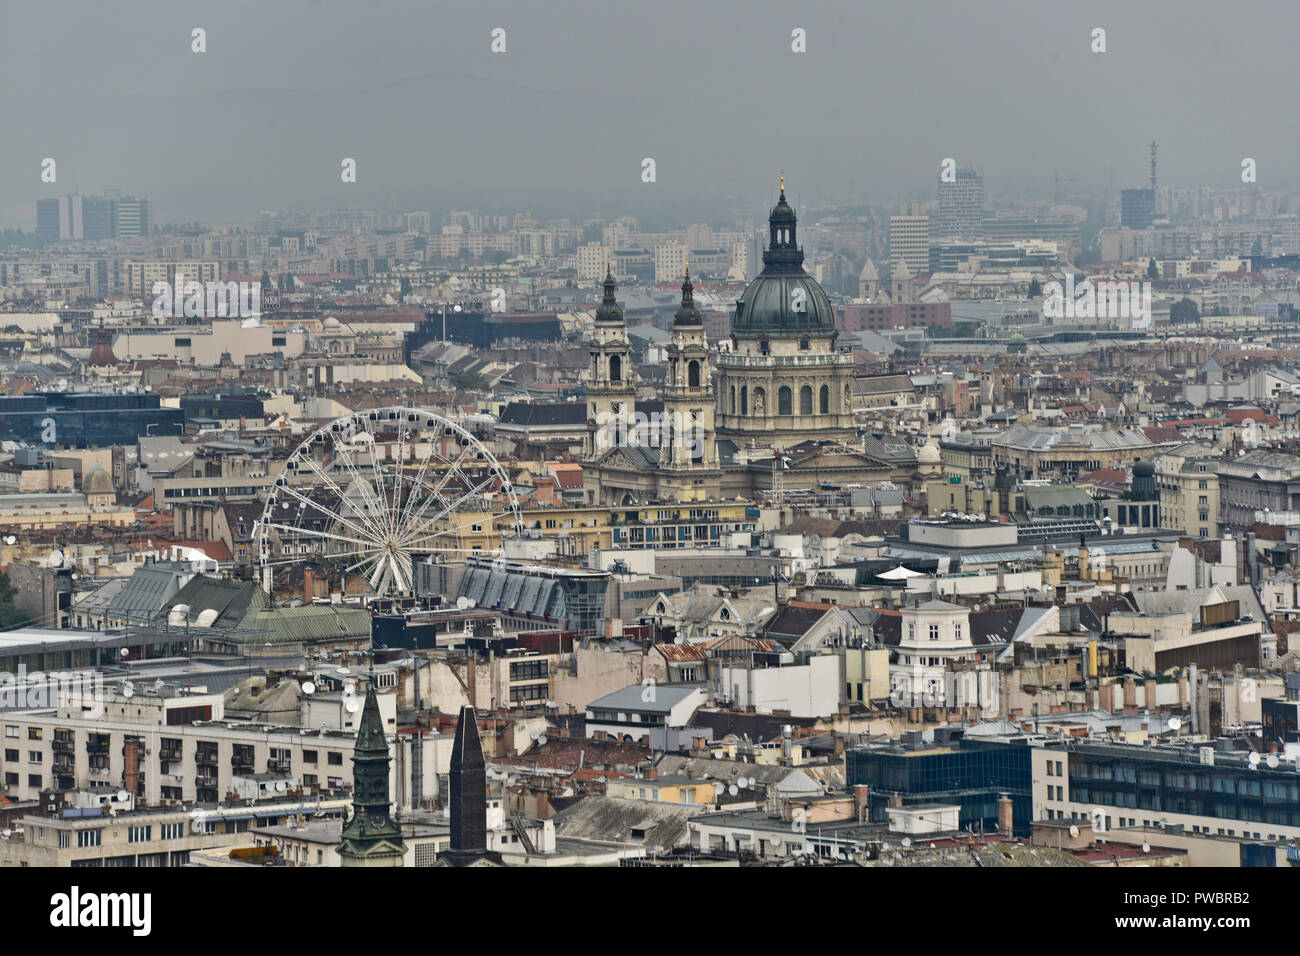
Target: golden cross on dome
x,y
783,182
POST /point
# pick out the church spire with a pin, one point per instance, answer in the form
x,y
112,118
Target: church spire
x,y
609,310
371,838
687,314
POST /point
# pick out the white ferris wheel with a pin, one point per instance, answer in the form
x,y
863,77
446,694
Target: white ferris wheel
x,y
376,491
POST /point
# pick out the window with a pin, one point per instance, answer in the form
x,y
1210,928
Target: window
x,y
805,400
784,401
336,758
956,630
934,632
33,733
825,400
88,838
139,834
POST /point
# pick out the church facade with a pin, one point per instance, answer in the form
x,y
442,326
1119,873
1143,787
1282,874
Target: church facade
x,y
777,396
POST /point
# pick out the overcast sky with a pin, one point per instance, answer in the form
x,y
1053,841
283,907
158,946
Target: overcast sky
x,y
586,90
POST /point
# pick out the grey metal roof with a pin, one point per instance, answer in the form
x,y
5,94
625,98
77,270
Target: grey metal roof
x,y
663,699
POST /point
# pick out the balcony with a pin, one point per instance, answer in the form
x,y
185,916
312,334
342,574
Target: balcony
x,y
63,745
207,781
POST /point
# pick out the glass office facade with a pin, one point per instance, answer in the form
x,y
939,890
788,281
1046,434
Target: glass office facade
x,y
971,774
85,421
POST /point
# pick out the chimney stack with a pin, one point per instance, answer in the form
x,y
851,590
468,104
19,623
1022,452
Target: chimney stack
x,y
1005,818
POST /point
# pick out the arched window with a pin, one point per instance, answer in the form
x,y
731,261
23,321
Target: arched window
x,y
762,347
826,400
733,399
744,399
805,400
783,401
693,374
615,369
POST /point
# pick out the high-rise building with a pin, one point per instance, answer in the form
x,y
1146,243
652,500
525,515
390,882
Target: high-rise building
x,y
133,218
909,238
1137,208
961,205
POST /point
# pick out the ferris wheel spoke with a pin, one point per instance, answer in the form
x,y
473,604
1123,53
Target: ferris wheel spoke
x,y
456,531
452,470
325,511
333,486
294,530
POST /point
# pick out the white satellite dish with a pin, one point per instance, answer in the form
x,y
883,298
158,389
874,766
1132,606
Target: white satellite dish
x,y
733,790
1253,760
1146,847
1175,723
308,687
1074,831
123,795
281,785
776,841
541,741
907,841
10,539
128,689
124,653
56,558
719,789
464,602
1271,760
351,705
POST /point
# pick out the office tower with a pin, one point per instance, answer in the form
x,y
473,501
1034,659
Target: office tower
x,y
909,238
1137,208
961,205
133,218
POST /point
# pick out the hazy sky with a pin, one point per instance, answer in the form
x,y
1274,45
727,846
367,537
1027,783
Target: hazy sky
x,y
585,90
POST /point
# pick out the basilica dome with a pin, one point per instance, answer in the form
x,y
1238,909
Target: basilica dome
x,y
783,299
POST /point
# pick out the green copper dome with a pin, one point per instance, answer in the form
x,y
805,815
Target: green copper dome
x,y
783,299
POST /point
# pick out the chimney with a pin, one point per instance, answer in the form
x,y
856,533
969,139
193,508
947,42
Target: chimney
x,y
131,768
861,802
651,773
308,585
1005,819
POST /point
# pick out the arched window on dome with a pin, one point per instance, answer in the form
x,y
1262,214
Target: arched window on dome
x,y
615,369
826,400
805,400
693,374
783,401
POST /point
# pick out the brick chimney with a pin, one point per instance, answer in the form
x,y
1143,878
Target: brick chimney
x,y
1005,818
308,585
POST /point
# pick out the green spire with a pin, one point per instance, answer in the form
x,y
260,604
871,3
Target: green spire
x,y
370,836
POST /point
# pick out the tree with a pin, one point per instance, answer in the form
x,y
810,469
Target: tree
x,y
1184,311
467,381
1152,271
10,614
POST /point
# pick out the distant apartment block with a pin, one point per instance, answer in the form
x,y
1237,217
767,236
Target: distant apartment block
x,y
909,238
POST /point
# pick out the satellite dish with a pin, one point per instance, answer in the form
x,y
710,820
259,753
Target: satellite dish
x,y
281,785
1146,847
719,789
128,689
776,841
1074,831
1175,723
351,705
1271,760
124,653
464,602
56,558
541,741
308,687
1253,760
733,790
344,670
123,795
10,539
907,841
